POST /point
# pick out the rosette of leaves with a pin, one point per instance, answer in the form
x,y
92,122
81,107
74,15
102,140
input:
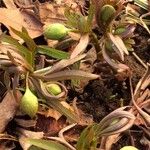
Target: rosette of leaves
x,y
117,121
17,60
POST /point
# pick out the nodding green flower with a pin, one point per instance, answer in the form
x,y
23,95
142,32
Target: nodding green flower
x,y
128,148
55,31
119,30
106,13
53,89
29,103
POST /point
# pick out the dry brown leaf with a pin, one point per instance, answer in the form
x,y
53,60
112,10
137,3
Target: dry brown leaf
x,y
8,108
53,113
110,140
49,125
50,113
84,40
118,45
25,123
51,13
28,134
17,19
54,12
9,4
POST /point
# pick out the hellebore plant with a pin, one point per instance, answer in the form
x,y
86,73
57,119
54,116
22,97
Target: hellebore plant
x,y
18,60
116,35
115,122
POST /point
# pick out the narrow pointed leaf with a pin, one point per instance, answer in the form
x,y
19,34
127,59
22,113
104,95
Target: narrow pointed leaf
x,y
25,36
46,144
52,52
119,46
90,16
87,139
63,64
80,48
67,75
63,110
23,50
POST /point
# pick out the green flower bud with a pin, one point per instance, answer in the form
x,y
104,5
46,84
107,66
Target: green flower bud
x,y
106,13
29,103
128,148
55,31
119,31
53,89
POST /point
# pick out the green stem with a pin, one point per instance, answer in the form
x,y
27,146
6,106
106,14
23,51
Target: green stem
x,y
95,42
27,77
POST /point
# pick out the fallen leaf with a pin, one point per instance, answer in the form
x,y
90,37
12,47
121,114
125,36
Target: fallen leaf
x,y
8,108
51,13
110,140
25,123
17,19
54,12
49,125
9,4
49,113
28,134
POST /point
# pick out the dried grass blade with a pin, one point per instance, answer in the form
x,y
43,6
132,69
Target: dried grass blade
x,y
138,86
145,116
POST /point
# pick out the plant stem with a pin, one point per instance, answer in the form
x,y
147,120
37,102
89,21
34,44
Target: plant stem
x,y
27,84
95,42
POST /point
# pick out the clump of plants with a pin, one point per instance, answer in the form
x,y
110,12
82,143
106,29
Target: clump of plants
x,y
43,83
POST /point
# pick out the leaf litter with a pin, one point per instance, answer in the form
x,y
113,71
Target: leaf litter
x,y
62,122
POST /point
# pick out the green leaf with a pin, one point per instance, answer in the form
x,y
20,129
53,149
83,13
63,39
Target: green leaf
x,y
22,49
76,20
63,110
90,17
25,36
35,148
52,52
88,139
46,144
142,3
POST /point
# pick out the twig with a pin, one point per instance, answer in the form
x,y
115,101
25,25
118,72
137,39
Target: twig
x,y
139,59
61,138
